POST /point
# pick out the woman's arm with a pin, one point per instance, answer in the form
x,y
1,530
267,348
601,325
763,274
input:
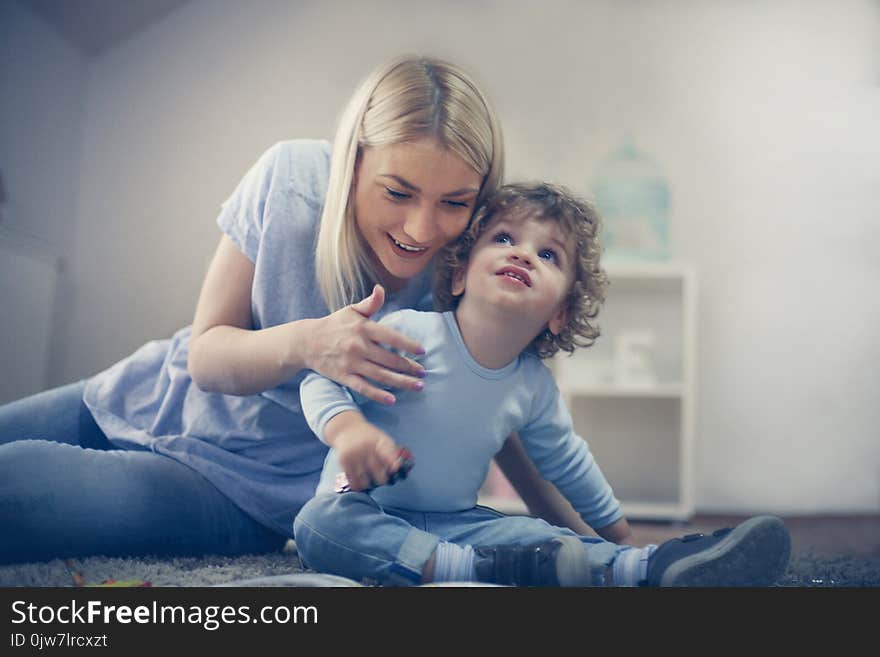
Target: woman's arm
x,y
227,355
543,499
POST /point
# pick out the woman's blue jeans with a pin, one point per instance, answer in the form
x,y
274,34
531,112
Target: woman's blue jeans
x,y
66,491
349,534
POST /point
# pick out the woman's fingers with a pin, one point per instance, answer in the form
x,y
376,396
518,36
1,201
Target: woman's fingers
x,y
379,375
371,304
382,374
395,362
386,335
380,367
364,388
351,349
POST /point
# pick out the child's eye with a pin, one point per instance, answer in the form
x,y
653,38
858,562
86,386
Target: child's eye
x,y
502,238
456,204
393,193
549,255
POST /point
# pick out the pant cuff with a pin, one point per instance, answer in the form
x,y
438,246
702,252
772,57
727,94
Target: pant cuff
x,y
412,556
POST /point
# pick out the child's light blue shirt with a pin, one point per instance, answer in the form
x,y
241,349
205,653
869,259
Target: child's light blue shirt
x,y
461,420
256,449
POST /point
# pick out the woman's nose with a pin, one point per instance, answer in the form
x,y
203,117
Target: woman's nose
x,y
421,226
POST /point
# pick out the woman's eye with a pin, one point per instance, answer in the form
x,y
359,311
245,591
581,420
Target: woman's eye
x,y
502,238
456,204
393,193
549,255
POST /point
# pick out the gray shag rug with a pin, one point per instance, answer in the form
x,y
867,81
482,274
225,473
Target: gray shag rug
x,y
285,569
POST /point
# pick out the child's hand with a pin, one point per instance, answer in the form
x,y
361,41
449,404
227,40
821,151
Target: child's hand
x,y
367,455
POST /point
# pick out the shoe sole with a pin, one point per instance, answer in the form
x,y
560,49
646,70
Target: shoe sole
x,y
572,563
755,553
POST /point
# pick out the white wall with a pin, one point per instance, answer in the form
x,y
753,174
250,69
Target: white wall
x,y
42,86
762,115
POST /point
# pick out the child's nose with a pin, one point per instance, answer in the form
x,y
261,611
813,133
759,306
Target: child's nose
x,y
520,256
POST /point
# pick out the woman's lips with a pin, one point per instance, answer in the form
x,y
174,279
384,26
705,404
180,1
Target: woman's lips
x,y
406,250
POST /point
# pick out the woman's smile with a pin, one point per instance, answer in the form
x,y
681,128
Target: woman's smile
x,y
405,250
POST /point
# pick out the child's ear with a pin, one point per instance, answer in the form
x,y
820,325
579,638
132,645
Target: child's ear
x,y
458,282
558,321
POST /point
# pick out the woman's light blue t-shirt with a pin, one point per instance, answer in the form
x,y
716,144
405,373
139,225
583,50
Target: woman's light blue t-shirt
x,y
256,449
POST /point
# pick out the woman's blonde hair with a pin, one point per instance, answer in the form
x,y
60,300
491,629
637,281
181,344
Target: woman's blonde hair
x,y
407,99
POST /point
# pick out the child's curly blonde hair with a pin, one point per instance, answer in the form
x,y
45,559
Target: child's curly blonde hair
x,y
580,223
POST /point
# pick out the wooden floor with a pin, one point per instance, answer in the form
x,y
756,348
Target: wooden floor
x,y
826,536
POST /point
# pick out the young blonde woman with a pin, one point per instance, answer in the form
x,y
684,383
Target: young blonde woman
x,y
198,444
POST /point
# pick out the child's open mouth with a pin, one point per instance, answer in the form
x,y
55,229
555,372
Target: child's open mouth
x,y
516,274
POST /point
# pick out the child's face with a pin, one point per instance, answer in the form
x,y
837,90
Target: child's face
x,y
521,263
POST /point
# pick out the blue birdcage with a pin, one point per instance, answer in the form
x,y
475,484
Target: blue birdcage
x,y
633,197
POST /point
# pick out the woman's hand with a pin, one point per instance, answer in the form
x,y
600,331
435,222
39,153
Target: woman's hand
x,y
346,347
367,455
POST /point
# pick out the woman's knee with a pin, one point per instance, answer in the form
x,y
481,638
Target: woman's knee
x,y
27,464
57,415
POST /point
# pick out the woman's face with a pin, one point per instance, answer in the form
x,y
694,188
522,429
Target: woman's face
x,y
410,200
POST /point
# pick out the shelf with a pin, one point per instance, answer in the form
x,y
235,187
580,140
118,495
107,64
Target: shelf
x,y
632,394
655,511
647,270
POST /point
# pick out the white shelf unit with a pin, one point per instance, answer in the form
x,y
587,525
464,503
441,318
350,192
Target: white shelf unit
x,y
641,432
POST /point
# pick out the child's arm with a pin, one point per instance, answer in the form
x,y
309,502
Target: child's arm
x,y
563,458
541,497
544,500
617,532
367,454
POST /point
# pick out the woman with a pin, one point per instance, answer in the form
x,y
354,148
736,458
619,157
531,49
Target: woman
x,y
197,444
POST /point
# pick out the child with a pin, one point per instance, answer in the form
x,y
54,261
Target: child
x,y
524,281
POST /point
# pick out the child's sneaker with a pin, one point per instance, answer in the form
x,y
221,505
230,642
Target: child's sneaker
x,y
754,553
560,561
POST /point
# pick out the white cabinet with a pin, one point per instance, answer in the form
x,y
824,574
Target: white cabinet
x,y
28,277
631,394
